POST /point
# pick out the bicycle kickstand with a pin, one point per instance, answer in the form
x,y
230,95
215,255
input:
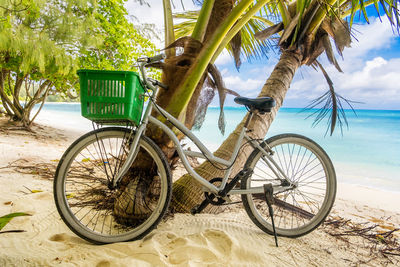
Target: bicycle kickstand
x,y
268,191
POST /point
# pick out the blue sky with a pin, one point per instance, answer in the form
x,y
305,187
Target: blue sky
x,y
371,66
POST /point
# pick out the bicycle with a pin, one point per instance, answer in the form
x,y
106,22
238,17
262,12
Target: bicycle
x,y
113,184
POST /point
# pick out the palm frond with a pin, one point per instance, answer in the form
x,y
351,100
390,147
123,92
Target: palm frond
x,y
266,33
236,44
288,31
351,8
329,52
301,9
341,34
329,105
185,28
251,47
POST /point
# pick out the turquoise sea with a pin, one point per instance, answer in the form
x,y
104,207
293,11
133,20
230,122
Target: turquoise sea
x,y
368,152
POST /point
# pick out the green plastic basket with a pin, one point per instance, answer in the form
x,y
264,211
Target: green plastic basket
x,y
111,97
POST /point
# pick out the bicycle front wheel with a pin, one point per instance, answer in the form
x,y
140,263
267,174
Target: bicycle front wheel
x,y
303,208
88,203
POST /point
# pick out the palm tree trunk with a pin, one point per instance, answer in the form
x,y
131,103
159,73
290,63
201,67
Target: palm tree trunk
x,y
176,67
187,192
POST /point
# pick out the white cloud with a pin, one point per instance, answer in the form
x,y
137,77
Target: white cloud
x,y
248,87
372,80
155,14
379,78
376,83
373,36
224,58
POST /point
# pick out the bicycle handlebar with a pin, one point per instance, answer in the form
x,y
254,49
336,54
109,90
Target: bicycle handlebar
x,y
149,60
144,61
158,83
156,58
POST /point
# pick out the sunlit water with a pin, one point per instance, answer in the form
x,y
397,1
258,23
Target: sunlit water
x,y
368,152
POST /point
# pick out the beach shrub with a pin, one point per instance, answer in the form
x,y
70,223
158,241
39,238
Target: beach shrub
x,y
43,43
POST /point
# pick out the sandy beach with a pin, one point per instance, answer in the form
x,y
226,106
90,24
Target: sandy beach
x,y
360,223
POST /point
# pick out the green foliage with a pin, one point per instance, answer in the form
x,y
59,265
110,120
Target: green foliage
x,y
43,43
7,218
40,42
121,42
41,38
252,48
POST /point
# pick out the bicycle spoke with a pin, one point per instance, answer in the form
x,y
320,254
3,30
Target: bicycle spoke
x,y
313,181
300,209
112,213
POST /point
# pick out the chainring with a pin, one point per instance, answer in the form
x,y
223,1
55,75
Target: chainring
x,y
212,198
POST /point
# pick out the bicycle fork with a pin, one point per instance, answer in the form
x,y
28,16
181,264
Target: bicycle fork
x,y
133,152
134,149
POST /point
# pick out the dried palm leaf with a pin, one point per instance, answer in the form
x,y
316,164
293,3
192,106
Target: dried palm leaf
x,y
236,44
206,96
220,86
289,30
329,51
213,83
341,34
220,11
264,34
313,50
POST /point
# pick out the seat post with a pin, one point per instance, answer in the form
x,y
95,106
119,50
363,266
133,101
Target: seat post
x,y
249,118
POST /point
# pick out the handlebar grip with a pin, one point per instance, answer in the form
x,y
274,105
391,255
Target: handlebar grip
x,y
162,85
155,58
157,83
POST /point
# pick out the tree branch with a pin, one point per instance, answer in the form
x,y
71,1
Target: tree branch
x,y
43,99
8,105
16,91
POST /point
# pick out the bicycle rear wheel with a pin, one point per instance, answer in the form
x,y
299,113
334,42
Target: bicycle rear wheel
x,y
302,209
86,200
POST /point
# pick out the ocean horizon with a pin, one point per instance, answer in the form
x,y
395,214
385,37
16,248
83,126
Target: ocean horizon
x,y
366,153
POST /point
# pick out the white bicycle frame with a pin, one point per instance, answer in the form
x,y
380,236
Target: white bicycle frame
x,y
206,154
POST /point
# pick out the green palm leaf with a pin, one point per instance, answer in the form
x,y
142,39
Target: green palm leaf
x,y
252,48
4,220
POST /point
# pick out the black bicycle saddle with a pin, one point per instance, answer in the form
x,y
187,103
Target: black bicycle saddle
x,y
262,104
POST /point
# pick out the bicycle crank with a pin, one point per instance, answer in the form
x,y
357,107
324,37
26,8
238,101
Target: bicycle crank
x,y
210,198
222,196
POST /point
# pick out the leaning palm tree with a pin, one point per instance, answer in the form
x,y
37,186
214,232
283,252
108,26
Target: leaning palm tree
x,y
304,30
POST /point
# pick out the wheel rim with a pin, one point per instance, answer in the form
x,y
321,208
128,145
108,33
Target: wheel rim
x,y
296,211
91,201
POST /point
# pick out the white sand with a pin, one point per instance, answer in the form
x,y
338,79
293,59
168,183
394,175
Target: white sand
x,y
227,239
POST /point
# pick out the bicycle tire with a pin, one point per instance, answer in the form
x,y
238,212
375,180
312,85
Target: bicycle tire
x,y
306,164
86,203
